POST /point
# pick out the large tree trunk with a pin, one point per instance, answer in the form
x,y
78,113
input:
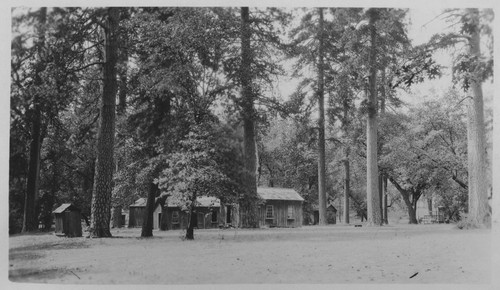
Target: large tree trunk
x,y
384,201
190,229
321,125
383,177
249,204
346,187
116,219
163,221
192,220
476,149
411,205
147,224
412,212
30,219
103,181
372,178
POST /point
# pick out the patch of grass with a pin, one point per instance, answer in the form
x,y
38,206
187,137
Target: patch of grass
x,y
24,256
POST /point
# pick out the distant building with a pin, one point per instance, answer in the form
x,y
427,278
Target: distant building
x,y
207,214
68,220
136,213
281,207
331,214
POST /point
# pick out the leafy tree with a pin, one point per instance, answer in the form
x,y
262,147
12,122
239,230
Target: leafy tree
x,y
174,87
208,163
472,67
289,159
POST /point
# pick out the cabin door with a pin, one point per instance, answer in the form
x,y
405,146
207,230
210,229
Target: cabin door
x,y
228,215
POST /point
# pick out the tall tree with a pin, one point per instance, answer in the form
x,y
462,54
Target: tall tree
x,y
248,204
103,180
476,145
321,122
30,220
471,68
372,195
383,177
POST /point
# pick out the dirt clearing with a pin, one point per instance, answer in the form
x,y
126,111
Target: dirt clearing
x,y
333,254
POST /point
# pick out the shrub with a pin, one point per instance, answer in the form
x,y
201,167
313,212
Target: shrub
x,y
466,223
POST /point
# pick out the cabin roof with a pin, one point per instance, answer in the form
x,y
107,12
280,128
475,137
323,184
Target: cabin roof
x,y
201,201
275,193
316,207
65,206
140,202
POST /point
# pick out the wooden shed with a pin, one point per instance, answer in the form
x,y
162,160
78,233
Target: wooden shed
x,y
331,215
68,220
281,207
136,213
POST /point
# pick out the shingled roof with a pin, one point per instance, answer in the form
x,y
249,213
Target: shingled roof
x,y
64,207
140,202
275,193
201,201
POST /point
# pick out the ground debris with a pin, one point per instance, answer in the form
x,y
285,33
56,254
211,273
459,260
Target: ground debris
x,y
413,275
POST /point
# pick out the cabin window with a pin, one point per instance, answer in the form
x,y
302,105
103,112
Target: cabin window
x,y
269,212
175,217
214,216
290,211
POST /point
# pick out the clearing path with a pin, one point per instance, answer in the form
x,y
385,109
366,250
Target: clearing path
x,y
331,254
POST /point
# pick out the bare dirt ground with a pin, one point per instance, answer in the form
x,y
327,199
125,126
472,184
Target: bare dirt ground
x,y
311,254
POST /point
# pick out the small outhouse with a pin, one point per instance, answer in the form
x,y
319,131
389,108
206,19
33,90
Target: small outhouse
x,y
331,214
68,220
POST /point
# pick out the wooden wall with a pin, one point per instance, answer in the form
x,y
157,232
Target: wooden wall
x,y
280,219
59,223
69,224
204,218
331,216
136,216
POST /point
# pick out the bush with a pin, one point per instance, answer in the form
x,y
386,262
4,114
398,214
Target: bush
x,y
15,222
466,224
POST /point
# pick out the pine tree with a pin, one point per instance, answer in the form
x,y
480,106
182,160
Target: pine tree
x,y
103,180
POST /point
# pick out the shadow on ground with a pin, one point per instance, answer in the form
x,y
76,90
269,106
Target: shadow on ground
x,y
26,274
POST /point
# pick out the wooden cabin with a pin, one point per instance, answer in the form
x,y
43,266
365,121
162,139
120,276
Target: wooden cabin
x,y
68,220
207,209
136,213
281,207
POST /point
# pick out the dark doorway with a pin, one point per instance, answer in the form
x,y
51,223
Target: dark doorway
x,y
228,214
316,217
194,216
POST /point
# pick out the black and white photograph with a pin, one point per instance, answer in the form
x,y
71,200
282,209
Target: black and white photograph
x,y
251,144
